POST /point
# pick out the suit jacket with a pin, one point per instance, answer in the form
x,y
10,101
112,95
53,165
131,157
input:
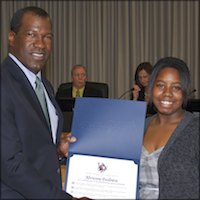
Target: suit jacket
x,y
29,161
64,91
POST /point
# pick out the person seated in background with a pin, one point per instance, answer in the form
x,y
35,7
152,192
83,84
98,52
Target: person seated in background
x,y
79,87
142,75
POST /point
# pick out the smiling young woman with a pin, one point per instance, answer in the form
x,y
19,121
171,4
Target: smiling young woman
x,y
170,153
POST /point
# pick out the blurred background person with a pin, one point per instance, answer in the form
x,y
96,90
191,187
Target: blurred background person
x,y
139,93
78,87
142,75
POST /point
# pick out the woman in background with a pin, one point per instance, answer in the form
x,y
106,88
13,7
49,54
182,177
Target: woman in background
x,y
142,75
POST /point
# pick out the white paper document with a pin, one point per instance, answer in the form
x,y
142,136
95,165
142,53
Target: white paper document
x,y
101,178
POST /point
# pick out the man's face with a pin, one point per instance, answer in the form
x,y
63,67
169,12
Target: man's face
x,y
33,42
79,77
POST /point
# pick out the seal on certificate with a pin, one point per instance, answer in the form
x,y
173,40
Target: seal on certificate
x,y
102,167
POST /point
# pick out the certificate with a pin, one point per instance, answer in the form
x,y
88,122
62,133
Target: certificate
x,y
104,161
102,178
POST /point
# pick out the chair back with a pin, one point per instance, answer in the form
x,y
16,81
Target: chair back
x,y
103,87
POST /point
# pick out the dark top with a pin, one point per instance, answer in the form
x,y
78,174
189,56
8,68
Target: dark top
x,y
65,91
150,108
178,163
141,96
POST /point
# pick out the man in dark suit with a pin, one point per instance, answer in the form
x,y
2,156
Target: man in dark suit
x,y
30,144
78,86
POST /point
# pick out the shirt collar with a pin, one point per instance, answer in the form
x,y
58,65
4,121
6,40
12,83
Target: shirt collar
x,y
29,74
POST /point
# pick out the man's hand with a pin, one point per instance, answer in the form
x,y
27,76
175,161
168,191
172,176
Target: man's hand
x,y
63,145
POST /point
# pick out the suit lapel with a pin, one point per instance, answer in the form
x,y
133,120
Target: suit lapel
x,y
23,83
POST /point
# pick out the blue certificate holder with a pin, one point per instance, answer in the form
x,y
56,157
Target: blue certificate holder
x,y
109,136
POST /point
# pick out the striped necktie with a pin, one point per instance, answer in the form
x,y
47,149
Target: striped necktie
x,y
41,97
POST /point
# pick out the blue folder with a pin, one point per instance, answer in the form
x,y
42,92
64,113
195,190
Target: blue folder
x,y
111,128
